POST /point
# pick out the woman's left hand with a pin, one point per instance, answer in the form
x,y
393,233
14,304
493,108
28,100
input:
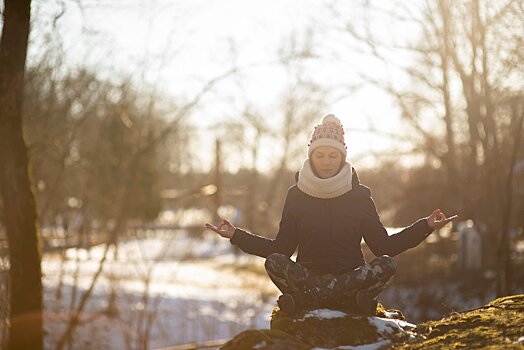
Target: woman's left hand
x,y
437,219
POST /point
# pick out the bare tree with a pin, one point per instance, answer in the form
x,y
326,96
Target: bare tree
x,y
19,204
466,69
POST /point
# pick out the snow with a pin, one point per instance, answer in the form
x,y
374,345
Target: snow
x,y
179,289
324,314
387,326
384,327
391,314
173,288
260,345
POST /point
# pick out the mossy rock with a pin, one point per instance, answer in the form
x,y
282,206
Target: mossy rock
x,y
331,328
497,325
264,339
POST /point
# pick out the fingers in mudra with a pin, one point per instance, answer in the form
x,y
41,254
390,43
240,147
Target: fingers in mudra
x,y
437,215
225,225
438,218
224,229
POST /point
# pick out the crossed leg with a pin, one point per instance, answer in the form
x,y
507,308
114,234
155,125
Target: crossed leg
x,y
291,277
363,285
287,275
372,277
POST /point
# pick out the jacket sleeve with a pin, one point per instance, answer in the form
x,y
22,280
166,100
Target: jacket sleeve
x,y
285,242
377,238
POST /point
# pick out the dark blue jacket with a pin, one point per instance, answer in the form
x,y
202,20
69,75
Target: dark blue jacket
x,y
328,232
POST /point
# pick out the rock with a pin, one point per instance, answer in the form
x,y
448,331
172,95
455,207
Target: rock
x,y
264,339
325,328
497,325
331,328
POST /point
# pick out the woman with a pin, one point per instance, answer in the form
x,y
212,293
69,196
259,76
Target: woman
x,y
326,214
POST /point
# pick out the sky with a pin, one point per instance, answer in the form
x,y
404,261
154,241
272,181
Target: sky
x,y
179,45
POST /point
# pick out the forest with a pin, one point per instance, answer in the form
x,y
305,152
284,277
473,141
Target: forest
x,y
126,126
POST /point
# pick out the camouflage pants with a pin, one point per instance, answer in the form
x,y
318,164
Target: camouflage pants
x,y
333,290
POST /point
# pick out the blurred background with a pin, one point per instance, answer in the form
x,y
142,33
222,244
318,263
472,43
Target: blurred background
x,y
146,119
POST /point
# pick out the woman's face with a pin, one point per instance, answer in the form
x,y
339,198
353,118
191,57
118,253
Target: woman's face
x,y
327,161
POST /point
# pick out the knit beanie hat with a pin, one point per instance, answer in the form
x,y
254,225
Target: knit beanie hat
x,y
329,133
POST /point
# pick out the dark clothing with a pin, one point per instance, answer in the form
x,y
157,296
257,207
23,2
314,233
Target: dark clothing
x,y
328,232
337,291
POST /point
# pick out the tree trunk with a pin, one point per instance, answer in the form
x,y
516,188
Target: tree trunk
x,y
504,277
19,203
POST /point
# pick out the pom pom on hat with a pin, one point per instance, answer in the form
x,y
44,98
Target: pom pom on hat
x,y
331,119
329,133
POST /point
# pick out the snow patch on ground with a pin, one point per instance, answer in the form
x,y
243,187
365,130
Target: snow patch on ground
x,y
180,289
386,326
324,314
260,345
392,314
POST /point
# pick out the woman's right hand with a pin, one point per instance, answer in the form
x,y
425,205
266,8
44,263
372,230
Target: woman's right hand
x,y
225,229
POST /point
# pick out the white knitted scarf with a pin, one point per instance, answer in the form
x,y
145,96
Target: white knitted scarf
x,y
331,187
